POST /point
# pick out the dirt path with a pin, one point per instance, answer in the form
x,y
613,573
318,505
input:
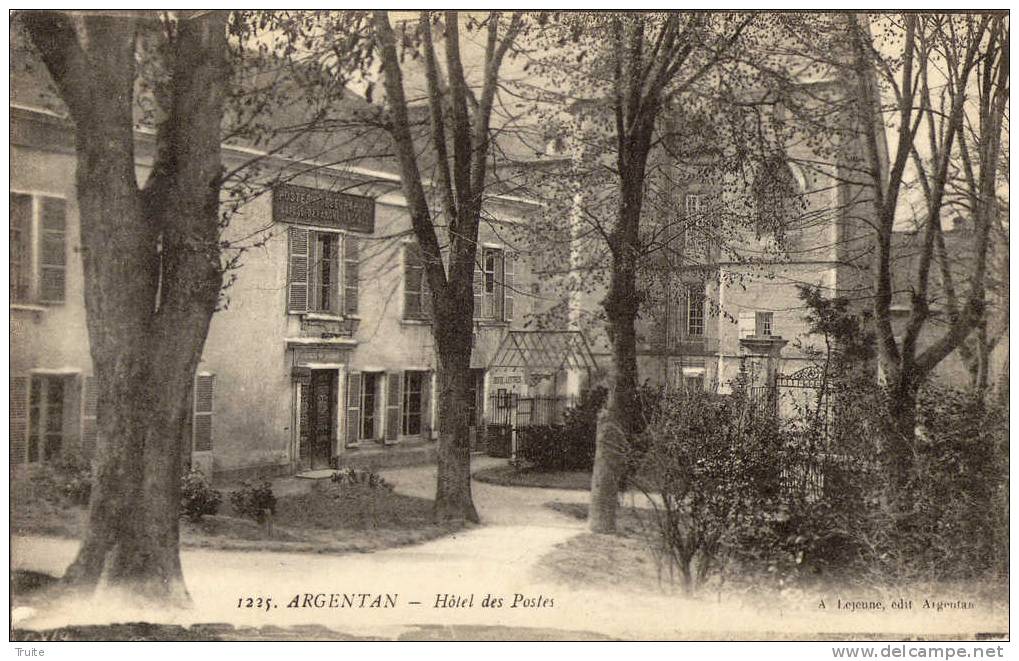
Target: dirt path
x,y
440,588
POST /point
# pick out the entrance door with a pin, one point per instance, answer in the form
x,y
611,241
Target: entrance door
x,y
318,419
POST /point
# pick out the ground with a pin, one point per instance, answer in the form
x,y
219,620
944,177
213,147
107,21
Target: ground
x,y
500,559
510,476
313,516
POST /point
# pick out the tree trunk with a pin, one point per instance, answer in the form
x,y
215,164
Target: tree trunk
x,y
152,277
897,455
453,500
618,421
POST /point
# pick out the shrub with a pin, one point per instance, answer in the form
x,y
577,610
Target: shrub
x,y
955,526
68,479
569,446
197,497
705,463
254,500
366,478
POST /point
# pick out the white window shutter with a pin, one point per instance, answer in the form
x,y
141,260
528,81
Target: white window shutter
x,y
201,422
297,270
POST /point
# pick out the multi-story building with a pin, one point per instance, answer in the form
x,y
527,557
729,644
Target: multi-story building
x,y
322,353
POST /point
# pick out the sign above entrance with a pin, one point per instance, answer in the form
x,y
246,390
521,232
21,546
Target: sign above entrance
x,y
314,206
320,355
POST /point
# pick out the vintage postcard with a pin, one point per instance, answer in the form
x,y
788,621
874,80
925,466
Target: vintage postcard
x,y
521,325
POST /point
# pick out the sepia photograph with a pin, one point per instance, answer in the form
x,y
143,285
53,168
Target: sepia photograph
x,y
520,325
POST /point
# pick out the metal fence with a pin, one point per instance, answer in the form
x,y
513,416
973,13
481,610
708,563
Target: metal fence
x,y
511,409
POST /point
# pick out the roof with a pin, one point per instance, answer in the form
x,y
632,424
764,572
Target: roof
x,y
544,349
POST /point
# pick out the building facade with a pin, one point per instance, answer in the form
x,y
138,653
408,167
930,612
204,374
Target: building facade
x,y
322,352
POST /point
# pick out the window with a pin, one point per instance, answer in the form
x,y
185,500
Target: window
x,y
493,285
417,297
46,418
38,253
693,382
413,399
763,325
369,401
313,274
325,273
695,310
694,205
491,259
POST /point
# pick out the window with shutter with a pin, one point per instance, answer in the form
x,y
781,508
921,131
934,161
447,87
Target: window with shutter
x,y
47,398
89,414
52,250
201,421
394,398
413,402
489,302
297,270
353,408
19,419
38,250
417,299
351,255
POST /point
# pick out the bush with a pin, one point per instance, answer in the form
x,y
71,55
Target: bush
x,y
365,478
254,500
67,480
197,497
841,521
569,446
706,464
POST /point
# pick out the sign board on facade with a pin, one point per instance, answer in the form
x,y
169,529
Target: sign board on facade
x,y
313,206
325,355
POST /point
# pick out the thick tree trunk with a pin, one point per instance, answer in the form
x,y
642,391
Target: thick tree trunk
x,y
452,331
618,422
453,500
152,278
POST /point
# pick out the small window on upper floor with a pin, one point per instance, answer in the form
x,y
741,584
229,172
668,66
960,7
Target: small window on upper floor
x,y
38,250
417,296
694,205
763,324
494,285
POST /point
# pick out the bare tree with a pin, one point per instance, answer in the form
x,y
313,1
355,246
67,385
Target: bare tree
x,y
460,137
948,82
